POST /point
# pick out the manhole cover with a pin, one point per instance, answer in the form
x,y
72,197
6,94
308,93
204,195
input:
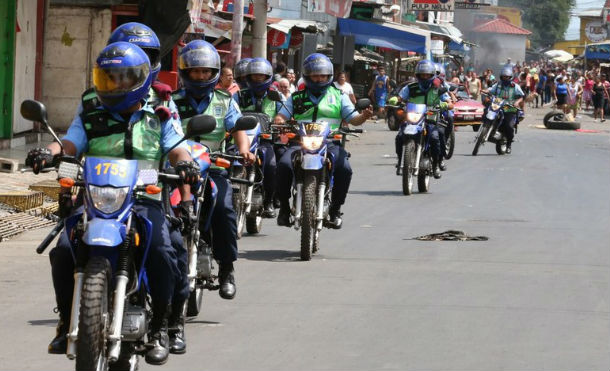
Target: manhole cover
x,y
450,236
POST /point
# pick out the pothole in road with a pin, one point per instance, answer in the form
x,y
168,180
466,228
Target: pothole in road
x,y
450,235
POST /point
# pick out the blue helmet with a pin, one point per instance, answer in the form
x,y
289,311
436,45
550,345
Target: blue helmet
x,y
259,66
425,67
144,37
121,76
199,54
317,64
507,70
241,67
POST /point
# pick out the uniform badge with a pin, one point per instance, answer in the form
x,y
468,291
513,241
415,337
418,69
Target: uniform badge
x,y
331,99
218,110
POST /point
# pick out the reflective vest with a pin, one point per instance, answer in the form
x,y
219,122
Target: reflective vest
x,y
328,109
218,108
247,104
431,98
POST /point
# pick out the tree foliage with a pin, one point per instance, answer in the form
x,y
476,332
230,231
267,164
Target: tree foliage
x,y
547,19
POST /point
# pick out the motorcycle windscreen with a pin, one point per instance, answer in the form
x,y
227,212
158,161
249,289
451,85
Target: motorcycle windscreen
x,y
117,173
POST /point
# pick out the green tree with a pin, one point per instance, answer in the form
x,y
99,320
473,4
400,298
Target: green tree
x,y
547,19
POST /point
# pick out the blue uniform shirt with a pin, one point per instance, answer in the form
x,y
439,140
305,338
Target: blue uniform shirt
x,y
233,113
348,111
171,129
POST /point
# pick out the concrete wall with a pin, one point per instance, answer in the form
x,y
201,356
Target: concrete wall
x,y
73,38
494,49
25,62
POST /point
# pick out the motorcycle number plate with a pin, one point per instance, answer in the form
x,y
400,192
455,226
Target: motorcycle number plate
x,y
491,115
468,117
411,129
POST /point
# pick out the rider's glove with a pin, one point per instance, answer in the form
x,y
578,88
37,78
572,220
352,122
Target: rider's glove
x,y
39,158
188,171
393,101
163,113
187,215
164,91
444,106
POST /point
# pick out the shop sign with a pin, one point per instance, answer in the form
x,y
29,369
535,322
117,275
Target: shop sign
x,y
433,5
277,39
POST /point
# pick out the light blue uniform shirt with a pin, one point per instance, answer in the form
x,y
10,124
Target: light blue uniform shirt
x,y
171,129
348,111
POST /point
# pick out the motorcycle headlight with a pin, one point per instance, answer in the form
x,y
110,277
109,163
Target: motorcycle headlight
x,y
495,106
413,116
312,143
108,199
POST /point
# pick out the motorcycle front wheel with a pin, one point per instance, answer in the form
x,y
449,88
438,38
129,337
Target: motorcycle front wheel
x,y
309,226
239,199
94,316
392,122
501,147
408,164
481,137
423,178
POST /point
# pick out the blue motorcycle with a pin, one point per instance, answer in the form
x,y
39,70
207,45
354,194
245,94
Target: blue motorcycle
x,y
110,242
416,160
493,119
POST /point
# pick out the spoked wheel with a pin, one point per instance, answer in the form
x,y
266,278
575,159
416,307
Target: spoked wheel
x,y
309,225
501,147
480,138
254,223
94,317
392,122
193,305
408,163
238,206
450,145
423,180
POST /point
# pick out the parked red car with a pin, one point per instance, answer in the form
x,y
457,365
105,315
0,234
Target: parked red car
x,y
467,111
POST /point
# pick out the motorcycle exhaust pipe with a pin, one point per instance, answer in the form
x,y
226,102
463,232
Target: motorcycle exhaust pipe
x,y
320,216
192,272
117,321
79,278
297,207
417,159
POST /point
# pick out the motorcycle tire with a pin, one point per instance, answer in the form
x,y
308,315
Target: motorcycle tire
x,y
254,223
392,123
309,231
501,147
408,163
552,117
480,138
476,127
450,146
94,316
563,125
195,300
423,180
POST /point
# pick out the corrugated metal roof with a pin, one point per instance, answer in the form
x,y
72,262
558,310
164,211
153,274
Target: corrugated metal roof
x,y
502,26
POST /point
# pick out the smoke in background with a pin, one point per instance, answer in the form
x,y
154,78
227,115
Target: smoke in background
x,y
490,54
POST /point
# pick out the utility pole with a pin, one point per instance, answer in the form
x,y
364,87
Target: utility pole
x,y
259,31
236,32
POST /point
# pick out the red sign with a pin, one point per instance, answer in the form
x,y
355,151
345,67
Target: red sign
x,y
296,39
275,38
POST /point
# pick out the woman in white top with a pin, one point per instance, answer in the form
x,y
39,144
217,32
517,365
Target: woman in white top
x,y
342,84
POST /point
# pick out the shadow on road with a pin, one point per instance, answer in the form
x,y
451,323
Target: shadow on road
x,y
43,322
271,255
377,193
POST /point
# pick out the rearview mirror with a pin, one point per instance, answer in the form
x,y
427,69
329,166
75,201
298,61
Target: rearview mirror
x,y
362,103
200,125
245,123
274,95
33,110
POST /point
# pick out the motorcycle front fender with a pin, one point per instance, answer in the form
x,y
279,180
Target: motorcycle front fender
x,y
104,232
312,161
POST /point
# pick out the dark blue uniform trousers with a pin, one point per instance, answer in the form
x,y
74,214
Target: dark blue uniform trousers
x,y
342,172
267,153
224,220
161,265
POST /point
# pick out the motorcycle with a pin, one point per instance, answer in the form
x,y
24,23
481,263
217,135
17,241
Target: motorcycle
x,y
109,314
415,160
313,176
492,121
198,241
393,114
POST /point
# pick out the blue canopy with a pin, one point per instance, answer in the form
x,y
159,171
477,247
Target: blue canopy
x,y
598,51
367,33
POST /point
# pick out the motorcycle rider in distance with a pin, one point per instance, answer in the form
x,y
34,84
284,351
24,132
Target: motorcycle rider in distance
x,y
199,70
319,101
259,77
508,90
122,94
424,91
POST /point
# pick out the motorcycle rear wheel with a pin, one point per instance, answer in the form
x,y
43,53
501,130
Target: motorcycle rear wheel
x,y
94,316
450,145
408,163
423,180
309,232
392,122
254,223
481,137
501,147
193,305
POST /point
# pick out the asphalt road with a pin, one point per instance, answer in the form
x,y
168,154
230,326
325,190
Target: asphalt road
x,y
532,297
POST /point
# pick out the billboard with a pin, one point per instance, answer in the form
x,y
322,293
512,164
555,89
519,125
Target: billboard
x,y
432,5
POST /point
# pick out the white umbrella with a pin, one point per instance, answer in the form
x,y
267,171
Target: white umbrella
x,y
556,53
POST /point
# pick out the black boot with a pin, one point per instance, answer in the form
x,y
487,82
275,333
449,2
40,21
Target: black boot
x,y
508,149
436,171
283,218
442,165
158,340
175,329
60,342
334,217
227,281
268,209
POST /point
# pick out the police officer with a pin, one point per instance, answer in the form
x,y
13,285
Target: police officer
x,y
424,91
259,77
507,89
122,81
448,115
199,70
160,99
319,101
240,71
